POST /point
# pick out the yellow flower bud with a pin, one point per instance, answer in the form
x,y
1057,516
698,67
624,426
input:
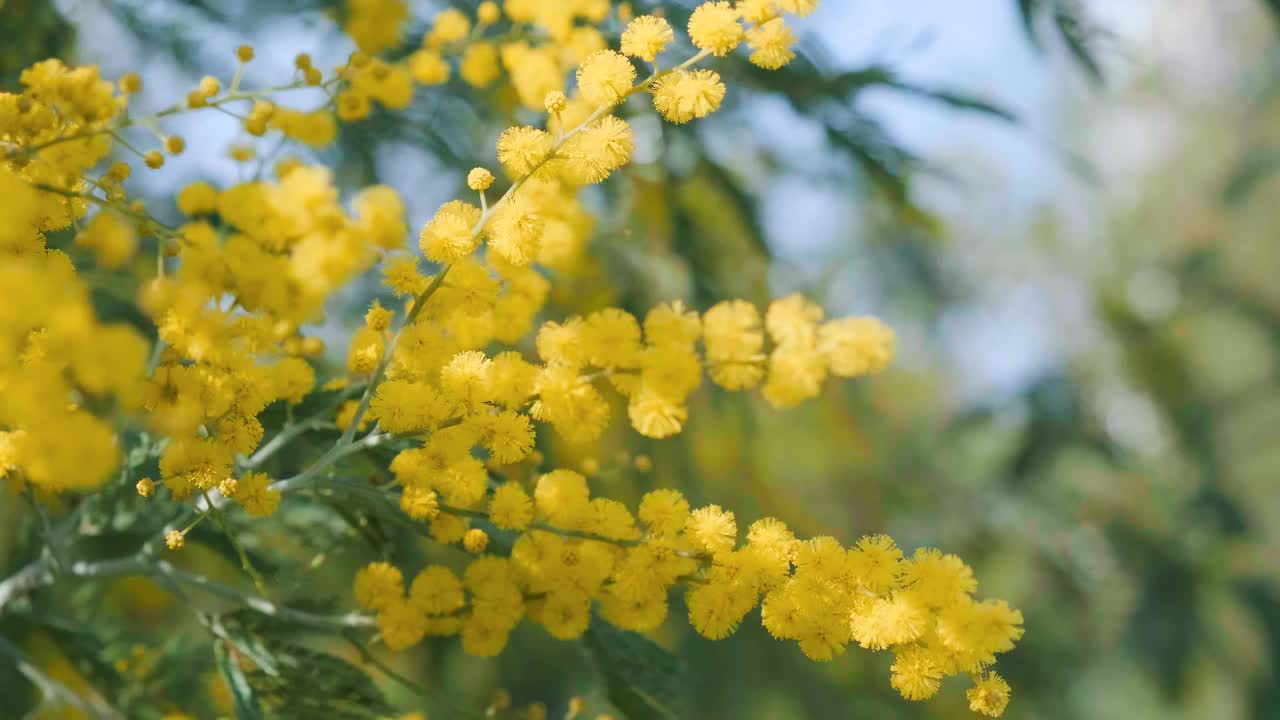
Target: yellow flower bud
x,y
130,83
479,179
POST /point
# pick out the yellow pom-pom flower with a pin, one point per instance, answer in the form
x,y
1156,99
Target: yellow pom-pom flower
x,y
646,36
714,27
605,78
685,95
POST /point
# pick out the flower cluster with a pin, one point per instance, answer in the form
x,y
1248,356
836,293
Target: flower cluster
x,y
572,551
448,374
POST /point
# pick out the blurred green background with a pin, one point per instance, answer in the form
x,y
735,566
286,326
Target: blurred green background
x,y
1066,209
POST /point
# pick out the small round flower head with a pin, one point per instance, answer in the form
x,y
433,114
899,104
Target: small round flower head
x,y
130,83
646,36
664,511
146,487
916,674
174,144
598,149
450,26
420,503
244,53
510,508
302,61
353,106
770,44
989,695
428,67
377,318
209,86
672,324
798,7
449,235
228,487
377,585
605,78
515,232
174,540
154,159
714,27
488,13
756,11
856,346
480,64
197,198
475,541
712,528
687,94
554,102
521,149
436,591
401,624
479,179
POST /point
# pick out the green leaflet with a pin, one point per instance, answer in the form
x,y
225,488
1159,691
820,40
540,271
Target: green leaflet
x,y
642,679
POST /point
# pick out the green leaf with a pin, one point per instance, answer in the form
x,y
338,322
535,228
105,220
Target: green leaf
x,y
642,679
292,681
309,684
1078,36
1069,22
241,693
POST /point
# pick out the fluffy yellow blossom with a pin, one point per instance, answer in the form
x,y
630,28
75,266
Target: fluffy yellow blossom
x,y
375,24
521,149
401,624
479,179
731,333
714,27
597,150
713,528
475,541
511,508
450,26
436,591
856,346
771,44
646,36
111,237
605,77
480,65
989,695
378,585
915,673
799,7
420,503
515,230
254,494
450,233
197,198
685,95
428,67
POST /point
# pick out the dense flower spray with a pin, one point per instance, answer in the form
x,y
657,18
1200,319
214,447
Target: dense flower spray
x,y
461,379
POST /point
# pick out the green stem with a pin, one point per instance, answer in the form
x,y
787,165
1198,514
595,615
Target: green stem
x,y
244,557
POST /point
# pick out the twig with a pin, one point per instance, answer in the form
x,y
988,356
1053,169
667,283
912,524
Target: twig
x,y
51,688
